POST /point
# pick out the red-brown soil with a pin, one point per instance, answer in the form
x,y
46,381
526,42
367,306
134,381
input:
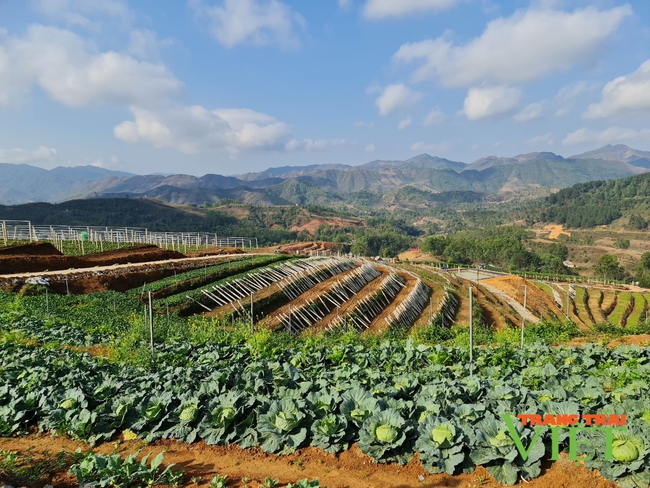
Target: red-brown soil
x,y
35,249
120,278
348,306
349,469
215,251
314,224
35,262
537,301
310,295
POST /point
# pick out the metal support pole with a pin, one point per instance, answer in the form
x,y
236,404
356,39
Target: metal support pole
x,y
151,322
471,334
252,328
47,302
523,318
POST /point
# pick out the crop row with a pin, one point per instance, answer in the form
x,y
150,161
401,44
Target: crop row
x,y
371,305
296,284
299,275
393,400
181,300
200,276
407,312
307,314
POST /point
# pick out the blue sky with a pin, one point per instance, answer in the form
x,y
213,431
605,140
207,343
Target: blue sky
x,y
231,86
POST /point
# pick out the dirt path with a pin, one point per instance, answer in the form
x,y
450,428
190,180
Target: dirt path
x,y
518,308
348,469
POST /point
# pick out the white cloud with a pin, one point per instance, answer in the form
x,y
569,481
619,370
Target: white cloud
x,y
421,147
364,125
607,136
571,91
434,117
404,123
370,148
22,156
490,102
624,95
561,112
195,129
144,44
534,111
81,12
258,22
543,140
381,9
395,98
344,3
73,73
309,145
523,47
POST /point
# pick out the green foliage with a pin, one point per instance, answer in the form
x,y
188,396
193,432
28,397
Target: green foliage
x,y
99,470
587,205
637,222
622,243
32,467
503,247
383,237
608,266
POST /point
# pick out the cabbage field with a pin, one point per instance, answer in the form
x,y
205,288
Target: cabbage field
x,y
393,400
340,356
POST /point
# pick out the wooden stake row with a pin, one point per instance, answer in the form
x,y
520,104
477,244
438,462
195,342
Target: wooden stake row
x,y
407,312
370,306
311,311
233,292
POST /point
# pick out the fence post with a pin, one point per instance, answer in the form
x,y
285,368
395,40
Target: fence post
x,y
151,322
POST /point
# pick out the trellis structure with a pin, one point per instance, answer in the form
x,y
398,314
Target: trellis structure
x,y
23,230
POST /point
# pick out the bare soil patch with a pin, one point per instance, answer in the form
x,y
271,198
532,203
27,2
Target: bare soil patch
x,y
29,263
216,251
314,224
555,231
349,469
34,249
537,301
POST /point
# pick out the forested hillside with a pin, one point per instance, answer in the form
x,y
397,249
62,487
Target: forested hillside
x,y
600,203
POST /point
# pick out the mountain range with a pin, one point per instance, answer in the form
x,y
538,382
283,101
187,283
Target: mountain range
x,y
328,184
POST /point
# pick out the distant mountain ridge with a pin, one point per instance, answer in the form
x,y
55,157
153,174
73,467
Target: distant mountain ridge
x,y
327,184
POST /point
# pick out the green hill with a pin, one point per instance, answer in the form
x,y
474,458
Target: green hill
x,y
600,203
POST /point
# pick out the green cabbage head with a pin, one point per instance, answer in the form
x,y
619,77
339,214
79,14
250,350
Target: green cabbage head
x,y
69,404
386,433
627,448
443,434
189,413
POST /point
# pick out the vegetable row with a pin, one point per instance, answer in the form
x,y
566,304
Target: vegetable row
x,y
393,400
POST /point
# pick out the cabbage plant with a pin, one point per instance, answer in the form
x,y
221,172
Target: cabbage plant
x,y
630,466
386,437
358,405
496,450
443,446
282,429
330,433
